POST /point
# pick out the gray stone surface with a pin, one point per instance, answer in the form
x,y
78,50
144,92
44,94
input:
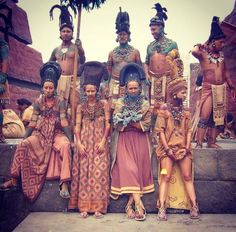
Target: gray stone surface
x,y
214,180
216,196
49,199
227,165
59,222
205,164
6,154
13,209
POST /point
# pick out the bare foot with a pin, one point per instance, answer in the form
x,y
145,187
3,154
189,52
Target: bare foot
x,y
213,145
8,184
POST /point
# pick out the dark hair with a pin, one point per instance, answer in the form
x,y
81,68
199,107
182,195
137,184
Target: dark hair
x,y
23,101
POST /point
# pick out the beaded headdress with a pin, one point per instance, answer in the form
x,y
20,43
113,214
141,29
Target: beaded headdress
x,y
50,71
93,72
131,72
160,17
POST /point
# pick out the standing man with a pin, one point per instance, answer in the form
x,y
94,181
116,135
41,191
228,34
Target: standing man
x,y
214,93
162,60
65,54
120,56
4,64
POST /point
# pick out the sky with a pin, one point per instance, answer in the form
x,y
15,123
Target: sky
x,y
188,24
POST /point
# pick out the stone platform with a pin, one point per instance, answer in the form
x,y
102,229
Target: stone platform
x,y
214,174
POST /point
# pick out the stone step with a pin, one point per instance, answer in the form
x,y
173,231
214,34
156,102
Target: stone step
x,y
214,173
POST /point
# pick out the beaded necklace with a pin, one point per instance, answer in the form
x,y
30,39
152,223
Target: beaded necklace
x,y
133,104
177,113
91,111
215,58
123,52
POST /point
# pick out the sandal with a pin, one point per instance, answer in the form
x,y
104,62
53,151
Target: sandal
x,y
64,193
129,211
194,212
161,216
12,183
140,213
83,215
98,215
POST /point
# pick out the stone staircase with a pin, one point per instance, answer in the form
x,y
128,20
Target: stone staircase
x,y
214,174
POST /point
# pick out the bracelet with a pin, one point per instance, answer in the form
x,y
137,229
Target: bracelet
x,y
167,150
188,150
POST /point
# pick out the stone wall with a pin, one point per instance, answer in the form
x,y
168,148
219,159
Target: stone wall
x,y
214,174
24,61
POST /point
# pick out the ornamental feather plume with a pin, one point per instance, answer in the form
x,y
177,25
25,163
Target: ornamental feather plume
x,y
160,17
122,22
65,18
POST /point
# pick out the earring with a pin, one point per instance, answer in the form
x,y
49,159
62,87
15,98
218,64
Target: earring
x,y
213,44
174,96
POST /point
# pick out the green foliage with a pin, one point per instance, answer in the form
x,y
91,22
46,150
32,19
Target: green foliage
x,y
75,5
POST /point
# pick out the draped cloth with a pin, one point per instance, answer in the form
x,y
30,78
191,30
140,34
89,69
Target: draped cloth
x,y
131,153
44,154
219,98
90,186
13,127
219,95
64,88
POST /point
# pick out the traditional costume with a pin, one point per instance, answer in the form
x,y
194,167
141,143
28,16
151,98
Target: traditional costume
x,y
131,150
45,151
175,123
120,56
162,50
90,175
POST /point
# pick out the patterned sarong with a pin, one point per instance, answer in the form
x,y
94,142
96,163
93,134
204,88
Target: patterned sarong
x,y
219,103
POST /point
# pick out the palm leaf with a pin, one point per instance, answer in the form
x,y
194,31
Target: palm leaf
x,y
86,4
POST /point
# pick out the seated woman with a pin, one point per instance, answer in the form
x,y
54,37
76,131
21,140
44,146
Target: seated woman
x,y
173,125
90,170
131,166
45,151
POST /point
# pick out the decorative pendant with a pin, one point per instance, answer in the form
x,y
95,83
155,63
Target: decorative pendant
x,y
215,58
64,50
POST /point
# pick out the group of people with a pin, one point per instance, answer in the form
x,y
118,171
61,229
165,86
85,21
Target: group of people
x,y
119,105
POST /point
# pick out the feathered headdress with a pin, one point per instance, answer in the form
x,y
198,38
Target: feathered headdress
x,y
216,32
93,72
65,18
50,71
131,72
160,17
6,18
122,22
